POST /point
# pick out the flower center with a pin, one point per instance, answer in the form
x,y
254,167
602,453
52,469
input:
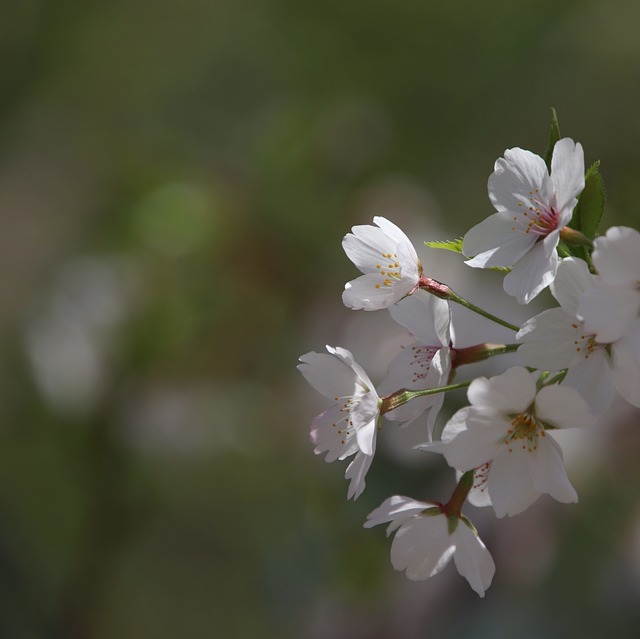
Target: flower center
x,y
525,429
540,218
481,477
421,362
389,269
586,345
345,422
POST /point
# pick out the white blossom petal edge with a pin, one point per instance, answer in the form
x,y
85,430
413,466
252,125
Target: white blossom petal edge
x,y
349,426
424,543
600,349
532,206
424,364
616,257
389,262
503,435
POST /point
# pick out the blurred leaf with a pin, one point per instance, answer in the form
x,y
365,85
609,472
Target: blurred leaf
x,y
448,245
554,136
588,213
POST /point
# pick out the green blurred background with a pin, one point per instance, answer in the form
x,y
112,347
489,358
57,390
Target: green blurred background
x,y
175,180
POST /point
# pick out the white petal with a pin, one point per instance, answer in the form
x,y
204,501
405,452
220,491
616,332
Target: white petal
x,y
479,494
457,424
330,433
616,257
596,306
548,472
591,377
510,484
425,316
366,436
472,559
548,340
572,279
479,443
422,547
408,262
567,174
563,407
356,472
397,507
369,293
626,366
328,375
494,242
405,370
512,391
366,246
534,271
393,231
347,357
412,369
516,176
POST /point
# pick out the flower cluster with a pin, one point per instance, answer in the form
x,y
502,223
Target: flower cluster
x,y
575,357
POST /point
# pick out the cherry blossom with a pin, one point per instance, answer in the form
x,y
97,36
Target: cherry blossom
x,y
389,262
348,427
426,539
616,257
504,435
424,364
568,338
532,207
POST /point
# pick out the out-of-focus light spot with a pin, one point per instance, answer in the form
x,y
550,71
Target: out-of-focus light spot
x,y
69,341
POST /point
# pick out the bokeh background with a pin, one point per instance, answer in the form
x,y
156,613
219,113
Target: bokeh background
x,y
175,180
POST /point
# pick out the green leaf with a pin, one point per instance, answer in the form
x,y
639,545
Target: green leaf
x,y
554,136
590,208
448,245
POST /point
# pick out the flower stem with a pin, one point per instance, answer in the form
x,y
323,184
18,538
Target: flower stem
x,y
440,389
444,292
480,311
480,352
404,395
454,506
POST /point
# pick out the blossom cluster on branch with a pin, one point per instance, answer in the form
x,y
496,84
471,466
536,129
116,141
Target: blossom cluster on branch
x,y
575,357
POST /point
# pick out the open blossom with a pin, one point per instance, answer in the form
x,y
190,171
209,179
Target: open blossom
x,y
576,336
426,363
532,206
426,539
389,262
616,257
348,427
503,436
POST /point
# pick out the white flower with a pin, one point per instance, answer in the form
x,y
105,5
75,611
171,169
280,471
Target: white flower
x,y
616,256
503,435
425,364
349,426
532,206
566,337
424,542
389,262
